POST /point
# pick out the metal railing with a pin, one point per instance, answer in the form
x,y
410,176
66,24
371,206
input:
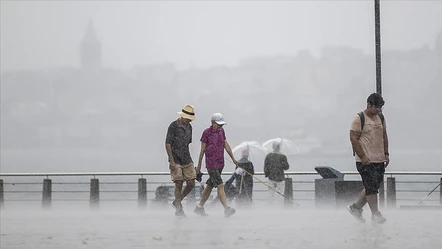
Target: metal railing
x,y
410,187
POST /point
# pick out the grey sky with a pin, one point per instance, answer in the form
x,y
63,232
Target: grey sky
x,y
46,34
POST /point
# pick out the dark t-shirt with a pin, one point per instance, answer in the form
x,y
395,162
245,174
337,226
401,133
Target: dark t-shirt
x,y
274,166
179,139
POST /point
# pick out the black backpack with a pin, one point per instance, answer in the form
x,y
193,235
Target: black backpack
x,y
362,117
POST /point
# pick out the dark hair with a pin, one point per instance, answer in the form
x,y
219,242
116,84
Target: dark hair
x,y
375,99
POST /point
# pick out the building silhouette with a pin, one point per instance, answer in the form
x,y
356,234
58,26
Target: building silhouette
x,y
90,50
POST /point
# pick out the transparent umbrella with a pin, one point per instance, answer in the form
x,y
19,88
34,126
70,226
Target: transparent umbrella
x,y
286,146
256,153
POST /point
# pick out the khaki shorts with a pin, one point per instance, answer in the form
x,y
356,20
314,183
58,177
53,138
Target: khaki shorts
x,y
183,173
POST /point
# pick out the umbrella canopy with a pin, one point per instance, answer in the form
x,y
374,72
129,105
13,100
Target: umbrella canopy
x,y
256,153
286,146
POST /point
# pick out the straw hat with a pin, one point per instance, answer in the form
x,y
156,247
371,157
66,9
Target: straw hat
x,y
187,112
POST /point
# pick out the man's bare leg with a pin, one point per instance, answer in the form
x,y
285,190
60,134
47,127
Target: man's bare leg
x,y
189,186
362,199
373,203
177,193
222,195
205,196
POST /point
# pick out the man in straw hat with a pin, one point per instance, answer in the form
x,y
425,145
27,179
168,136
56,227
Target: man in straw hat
x,y
178,138
213,144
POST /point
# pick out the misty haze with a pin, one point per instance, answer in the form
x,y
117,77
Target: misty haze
x,y
92,86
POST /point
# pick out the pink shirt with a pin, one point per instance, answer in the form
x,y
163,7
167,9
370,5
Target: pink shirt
x,y
214,140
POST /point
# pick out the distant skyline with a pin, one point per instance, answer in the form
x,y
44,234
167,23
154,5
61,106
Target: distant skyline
x,y
47,34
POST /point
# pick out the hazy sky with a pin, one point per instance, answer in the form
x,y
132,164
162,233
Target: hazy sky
x,y
46,34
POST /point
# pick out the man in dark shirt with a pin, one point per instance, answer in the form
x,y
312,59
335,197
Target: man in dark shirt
x,y
178,138
274,165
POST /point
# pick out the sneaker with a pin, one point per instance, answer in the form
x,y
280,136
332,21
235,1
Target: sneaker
x,y
356,212
378,218
200,211
175,205
229,212
180,213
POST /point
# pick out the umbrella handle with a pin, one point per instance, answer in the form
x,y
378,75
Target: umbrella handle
x,y
270,187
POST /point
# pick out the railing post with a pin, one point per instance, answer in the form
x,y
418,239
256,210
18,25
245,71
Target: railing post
x,y
94,200
391,192
288,192
382,194
47,193
142,193
440,192
2,201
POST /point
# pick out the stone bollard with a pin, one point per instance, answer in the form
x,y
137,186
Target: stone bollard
x,y
94,199
391,192
47,193
288,192
142,193
2,200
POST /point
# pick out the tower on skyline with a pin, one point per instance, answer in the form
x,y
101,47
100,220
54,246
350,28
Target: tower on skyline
x,y
90,50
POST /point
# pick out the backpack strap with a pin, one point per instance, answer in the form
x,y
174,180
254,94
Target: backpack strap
x,y
362,117
382,118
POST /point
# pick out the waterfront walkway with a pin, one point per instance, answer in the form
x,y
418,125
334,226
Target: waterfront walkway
x,y
127,227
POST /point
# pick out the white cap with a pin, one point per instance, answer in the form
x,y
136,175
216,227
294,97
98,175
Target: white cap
x,y
218,118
